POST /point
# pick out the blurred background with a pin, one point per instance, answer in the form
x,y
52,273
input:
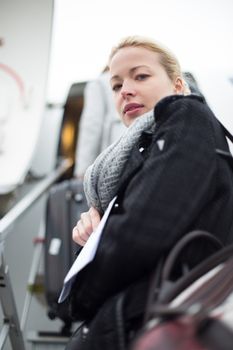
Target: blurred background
x,y
199,32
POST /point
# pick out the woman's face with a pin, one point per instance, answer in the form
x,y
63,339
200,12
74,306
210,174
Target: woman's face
x,y
139,81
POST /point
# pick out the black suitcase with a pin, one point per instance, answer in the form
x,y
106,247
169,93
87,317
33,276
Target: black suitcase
x,y
66,201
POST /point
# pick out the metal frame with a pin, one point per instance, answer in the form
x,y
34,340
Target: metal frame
x,y
11,325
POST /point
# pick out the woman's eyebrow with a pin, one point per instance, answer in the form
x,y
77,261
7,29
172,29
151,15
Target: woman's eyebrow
x,y
137,67
114,77
132,70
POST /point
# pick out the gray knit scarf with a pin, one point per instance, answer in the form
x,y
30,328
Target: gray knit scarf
x,y
102,177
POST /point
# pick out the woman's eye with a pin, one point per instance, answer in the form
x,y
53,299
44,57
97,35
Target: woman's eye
x,y
142,77
116,87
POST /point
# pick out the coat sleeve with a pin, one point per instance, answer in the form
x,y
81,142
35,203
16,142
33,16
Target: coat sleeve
x,y
160,203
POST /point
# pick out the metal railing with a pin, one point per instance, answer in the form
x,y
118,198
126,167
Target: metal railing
x,y
11,325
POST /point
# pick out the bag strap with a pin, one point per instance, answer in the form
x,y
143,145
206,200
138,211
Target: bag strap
x,y
168,294
181,245
226,154
160,283
210,329
226,132
214,289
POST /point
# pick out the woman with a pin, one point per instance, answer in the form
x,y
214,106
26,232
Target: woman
x,y
168,178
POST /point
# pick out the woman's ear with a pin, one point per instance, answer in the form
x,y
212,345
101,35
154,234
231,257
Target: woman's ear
x,y
179,86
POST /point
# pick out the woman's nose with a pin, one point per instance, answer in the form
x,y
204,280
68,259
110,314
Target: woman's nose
x,y
127,90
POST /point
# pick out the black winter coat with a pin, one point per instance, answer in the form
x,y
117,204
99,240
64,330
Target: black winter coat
x,y
176,180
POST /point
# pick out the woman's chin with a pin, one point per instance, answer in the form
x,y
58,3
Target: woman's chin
x,y
129,119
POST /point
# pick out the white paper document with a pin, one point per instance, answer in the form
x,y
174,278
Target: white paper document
x,y
86,255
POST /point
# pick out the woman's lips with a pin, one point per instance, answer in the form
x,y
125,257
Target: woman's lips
x,y
131,108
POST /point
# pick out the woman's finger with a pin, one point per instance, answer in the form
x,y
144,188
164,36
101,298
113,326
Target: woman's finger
x,y
95,217
79,235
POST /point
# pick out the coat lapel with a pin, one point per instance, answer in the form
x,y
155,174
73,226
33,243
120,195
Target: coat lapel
x,y
136,158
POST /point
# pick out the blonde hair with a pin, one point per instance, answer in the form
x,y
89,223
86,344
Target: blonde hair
x,y
167,59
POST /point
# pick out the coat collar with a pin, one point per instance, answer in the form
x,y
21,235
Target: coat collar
x,y
167,101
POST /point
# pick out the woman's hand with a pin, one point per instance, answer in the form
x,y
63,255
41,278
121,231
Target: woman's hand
x,y
85,226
